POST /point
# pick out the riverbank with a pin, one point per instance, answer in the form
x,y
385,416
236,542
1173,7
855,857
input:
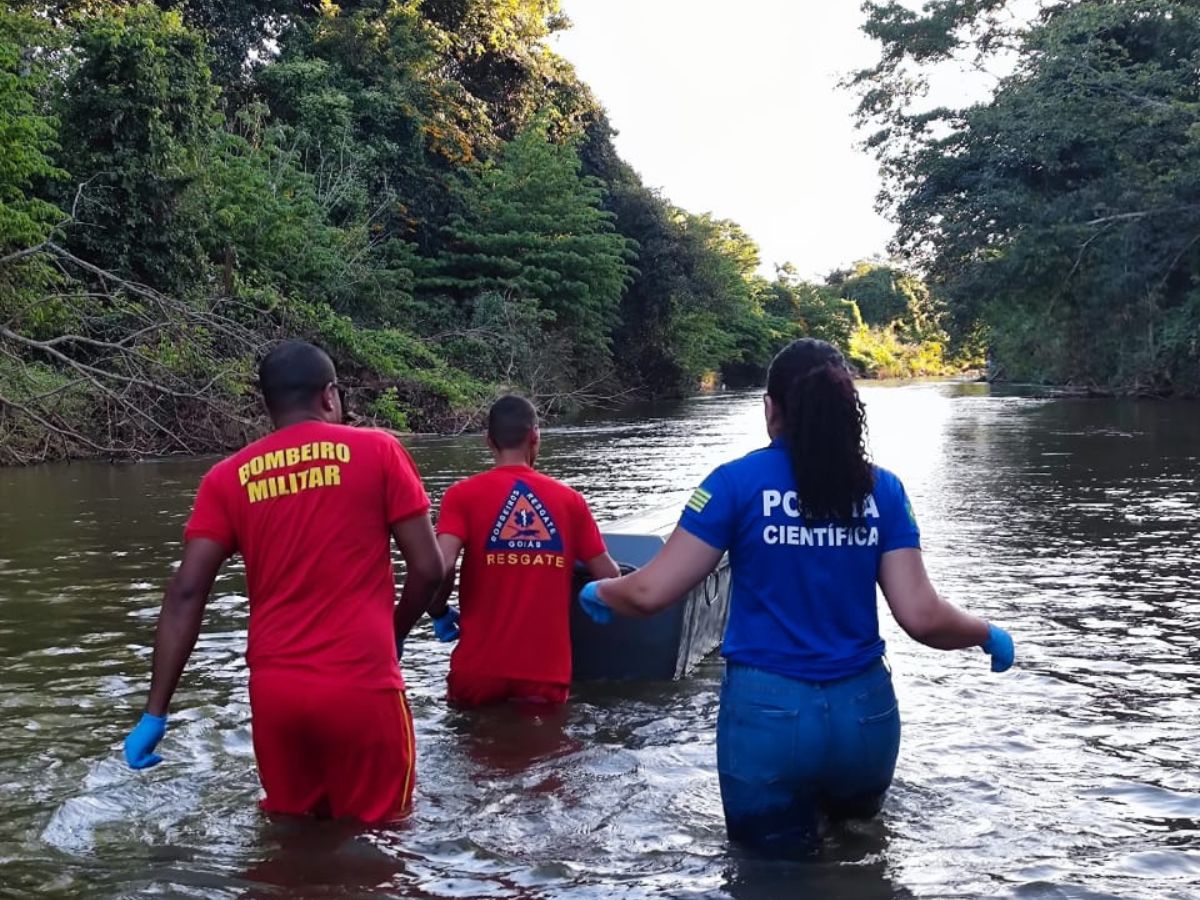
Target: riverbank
x,y
406,411
369,407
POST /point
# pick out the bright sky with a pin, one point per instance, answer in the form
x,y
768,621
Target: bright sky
x,y
734,109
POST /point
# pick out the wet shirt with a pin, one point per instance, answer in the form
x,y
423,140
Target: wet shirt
x,y
310,509
522,533
803,600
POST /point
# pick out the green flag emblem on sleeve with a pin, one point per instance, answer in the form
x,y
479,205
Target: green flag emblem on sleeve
x,y
699,500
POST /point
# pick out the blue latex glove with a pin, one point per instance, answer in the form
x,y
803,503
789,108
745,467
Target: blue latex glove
x,y
445,626
999,646
140,743
593,605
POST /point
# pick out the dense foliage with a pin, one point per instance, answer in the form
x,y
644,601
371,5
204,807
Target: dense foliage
x,y
422,186
1062,214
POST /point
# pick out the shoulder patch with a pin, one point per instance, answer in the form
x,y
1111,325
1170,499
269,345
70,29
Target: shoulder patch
x,y
699,500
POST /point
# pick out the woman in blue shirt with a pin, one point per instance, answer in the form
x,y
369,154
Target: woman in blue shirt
x,y
809,724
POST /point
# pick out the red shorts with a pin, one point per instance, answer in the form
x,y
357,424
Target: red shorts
x,y
331,750
481,690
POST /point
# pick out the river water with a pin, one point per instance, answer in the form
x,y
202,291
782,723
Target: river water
x,y
1077,774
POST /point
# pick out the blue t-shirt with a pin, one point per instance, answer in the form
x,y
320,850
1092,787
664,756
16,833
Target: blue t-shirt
x,y
803,594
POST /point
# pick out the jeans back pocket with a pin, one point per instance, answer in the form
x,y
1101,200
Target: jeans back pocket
x,y
878,714
756,741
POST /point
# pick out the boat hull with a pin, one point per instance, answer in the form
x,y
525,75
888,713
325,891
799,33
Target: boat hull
x,y
660,648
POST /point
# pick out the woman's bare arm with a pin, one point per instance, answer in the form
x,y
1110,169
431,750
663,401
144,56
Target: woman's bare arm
x,y
923,615
678,567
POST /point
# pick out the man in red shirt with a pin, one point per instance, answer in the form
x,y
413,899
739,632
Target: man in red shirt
x,y
522,532
312,508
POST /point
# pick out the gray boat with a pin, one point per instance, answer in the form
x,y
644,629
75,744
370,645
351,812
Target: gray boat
x,y
663,647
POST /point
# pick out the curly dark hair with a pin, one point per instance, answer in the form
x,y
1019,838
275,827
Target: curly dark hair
x,y
825,426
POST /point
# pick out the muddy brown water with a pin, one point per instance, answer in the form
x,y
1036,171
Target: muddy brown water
x,y
1076,524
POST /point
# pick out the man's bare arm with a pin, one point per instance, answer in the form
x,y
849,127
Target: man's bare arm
x,y
180,618
424,570
603,566
451,547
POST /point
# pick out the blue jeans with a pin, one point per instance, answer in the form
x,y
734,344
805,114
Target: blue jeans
x,y
790,752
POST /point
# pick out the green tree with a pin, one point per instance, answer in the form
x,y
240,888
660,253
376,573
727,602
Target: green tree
x,y
881,293
814,310
1062,213
138,115
239,33
719,322
262,217
27,144
28,135
695,305
496,53
374,117
423,186
645,346
536,230
887,296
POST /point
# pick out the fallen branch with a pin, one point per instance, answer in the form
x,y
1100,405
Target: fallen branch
x,y
147,366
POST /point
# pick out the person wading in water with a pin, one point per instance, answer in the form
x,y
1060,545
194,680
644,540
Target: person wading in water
x,y
808,726
520,534
313,509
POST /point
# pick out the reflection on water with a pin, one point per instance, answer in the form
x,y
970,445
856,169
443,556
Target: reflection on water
x,y
1072,522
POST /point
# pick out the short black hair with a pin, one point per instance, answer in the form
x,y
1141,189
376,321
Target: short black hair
x,y
510,421
292,375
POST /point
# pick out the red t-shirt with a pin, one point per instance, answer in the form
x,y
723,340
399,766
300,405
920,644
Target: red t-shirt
x,y
310,507
522,533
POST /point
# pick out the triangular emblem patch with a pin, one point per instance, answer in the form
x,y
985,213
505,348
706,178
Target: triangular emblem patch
x,y
524,523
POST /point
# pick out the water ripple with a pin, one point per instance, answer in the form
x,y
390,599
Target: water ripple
x,y
1074,776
